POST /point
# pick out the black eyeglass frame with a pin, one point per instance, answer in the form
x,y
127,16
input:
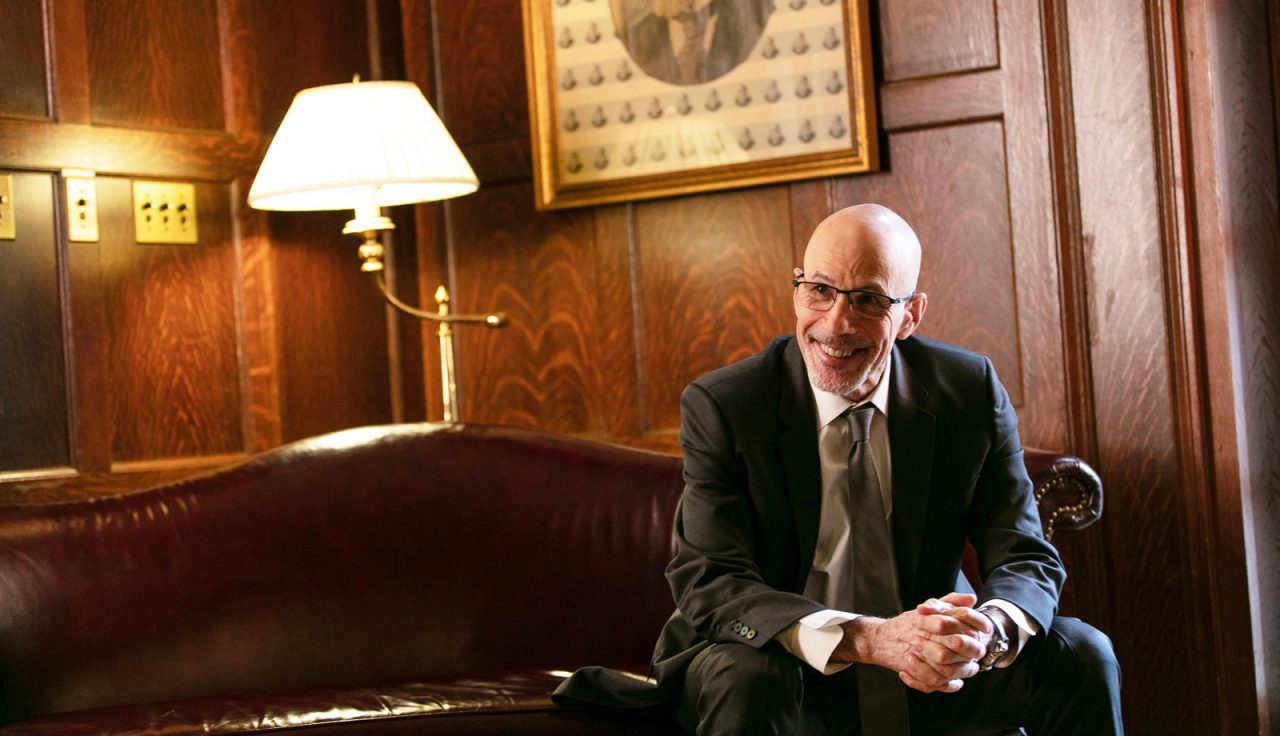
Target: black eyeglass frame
x,y
886,300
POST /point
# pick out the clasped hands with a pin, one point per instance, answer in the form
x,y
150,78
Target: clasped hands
x,y
934,648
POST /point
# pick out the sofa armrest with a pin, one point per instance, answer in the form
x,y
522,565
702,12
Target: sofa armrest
x,y
1068,492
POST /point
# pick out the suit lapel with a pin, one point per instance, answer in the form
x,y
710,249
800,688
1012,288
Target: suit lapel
x,y
798,449
911,441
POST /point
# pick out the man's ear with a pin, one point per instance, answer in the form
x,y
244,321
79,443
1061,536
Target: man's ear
x,y
799,272
912,315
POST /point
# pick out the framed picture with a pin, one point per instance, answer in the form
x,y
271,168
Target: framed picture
x,y
636,99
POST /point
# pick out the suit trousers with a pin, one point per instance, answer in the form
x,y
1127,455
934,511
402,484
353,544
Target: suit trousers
x,y
1066,682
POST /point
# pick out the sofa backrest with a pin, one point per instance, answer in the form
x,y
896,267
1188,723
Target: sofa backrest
x,y
366,556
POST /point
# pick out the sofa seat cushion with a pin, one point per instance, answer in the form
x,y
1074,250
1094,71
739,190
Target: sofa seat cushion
x,y
504,702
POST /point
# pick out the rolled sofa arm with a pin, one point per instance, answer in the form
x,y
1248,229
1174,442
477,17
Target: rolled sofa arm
x,y
1068,491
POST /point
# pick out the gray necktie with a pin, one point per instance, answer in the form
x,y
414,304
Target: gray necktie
x,y
689,58
882,698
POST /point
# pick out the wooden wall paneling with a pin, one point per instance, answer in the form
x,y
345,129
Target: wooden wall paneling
x,y
155,63
542,271
481,58
926,102
93,416
432,263
107,150
714,287
386,39
290,45
1249,167
811,203
1146,531
331,326
259,333
616,376
430,242
932,37
404,333
33,391
23,89
1043,414
950,184
1232,161
70,60
172,359
1087,593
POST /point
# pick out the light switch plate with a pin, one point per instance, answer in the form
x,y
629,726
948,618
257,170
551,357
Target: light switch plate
x,y
8,229
82,206
165,212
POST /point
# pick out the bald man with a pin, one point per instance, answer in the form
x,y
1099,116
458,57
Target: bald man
x,y
831,483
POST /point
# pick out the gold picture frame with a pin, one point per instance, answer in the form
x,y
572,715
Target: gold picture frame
x,y
778,90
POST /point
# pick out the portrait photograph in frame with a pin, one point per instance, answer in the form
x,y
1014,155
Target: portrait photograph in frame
x,y
638,99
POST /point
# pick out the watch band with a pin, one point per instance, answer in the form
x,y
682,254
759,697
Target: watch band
x,y
999,646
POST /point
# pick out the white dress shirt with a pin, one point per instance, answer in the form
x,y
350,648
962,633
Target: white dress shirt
x,y
814,637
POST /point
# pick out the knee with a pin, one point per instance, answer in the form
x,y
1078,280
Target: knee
x,y
1086,650
751,671
736,689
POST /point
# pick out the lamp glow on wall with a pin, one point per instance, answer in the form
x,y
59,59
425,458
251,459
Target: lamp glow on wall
x,y
363,146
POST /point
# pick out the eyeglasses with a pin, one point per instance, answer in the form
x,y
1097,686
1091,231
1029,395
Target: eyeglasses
x,y
870,304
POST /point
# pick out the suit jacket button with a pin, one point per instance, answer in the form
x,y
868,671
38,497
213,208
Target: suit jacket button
x,y
751,634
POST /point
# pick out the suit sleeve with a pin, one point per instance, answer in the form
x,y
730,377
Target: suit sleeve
x,y
714,577
1016,562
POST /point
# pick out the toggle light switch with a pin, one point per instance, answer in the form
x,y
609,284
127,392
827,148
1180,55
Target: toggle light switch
x,y
164,212
8,229
82,206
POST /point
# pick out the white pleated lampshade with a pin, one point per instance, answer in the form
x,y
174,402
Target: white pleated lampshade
x,y
341,143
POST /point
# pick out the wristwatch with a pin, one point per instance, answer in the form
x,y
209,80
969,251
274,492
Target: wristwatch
x,y
999,647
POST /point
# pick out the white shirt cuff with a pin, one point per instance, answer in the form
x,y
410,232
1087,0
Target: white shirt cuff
x,y
1026,627
814,637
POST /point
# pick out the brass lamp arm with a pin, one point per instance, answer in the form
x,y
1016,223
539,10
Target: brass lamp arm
x,y
490,320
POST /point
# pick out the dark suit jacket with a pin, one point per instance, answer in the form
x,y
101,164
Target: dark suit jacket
x,y
748,520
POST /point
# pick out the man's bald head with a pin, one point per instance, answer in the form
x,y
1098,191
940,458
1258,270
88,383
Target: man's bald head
x,y
869,235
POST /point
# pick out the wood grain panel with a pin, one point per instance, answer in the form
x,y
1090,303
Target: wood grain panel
x,y
1253,169
33,390
930,37
155,63
259,334
70,60
284,46
1145,524
936,101
171,362
1233,130
481,57
714,287
618,376
108,150
811,203
562,363
404,332
1045,419
950,184
23,90
334,370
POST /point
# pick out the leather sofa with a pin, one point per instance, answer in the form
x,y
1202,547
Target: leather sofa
x,y
403,579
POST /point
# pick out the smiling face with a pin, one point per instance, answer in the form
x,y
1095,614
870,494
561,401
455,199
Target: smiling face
x,y
860,247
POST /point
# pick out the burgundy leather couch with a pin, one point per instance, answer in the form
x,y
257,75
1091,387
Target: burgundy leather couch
x,y
405,579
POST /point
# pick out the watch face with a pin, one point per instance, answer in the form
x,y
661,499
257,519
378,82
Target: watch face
x,y
995,651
